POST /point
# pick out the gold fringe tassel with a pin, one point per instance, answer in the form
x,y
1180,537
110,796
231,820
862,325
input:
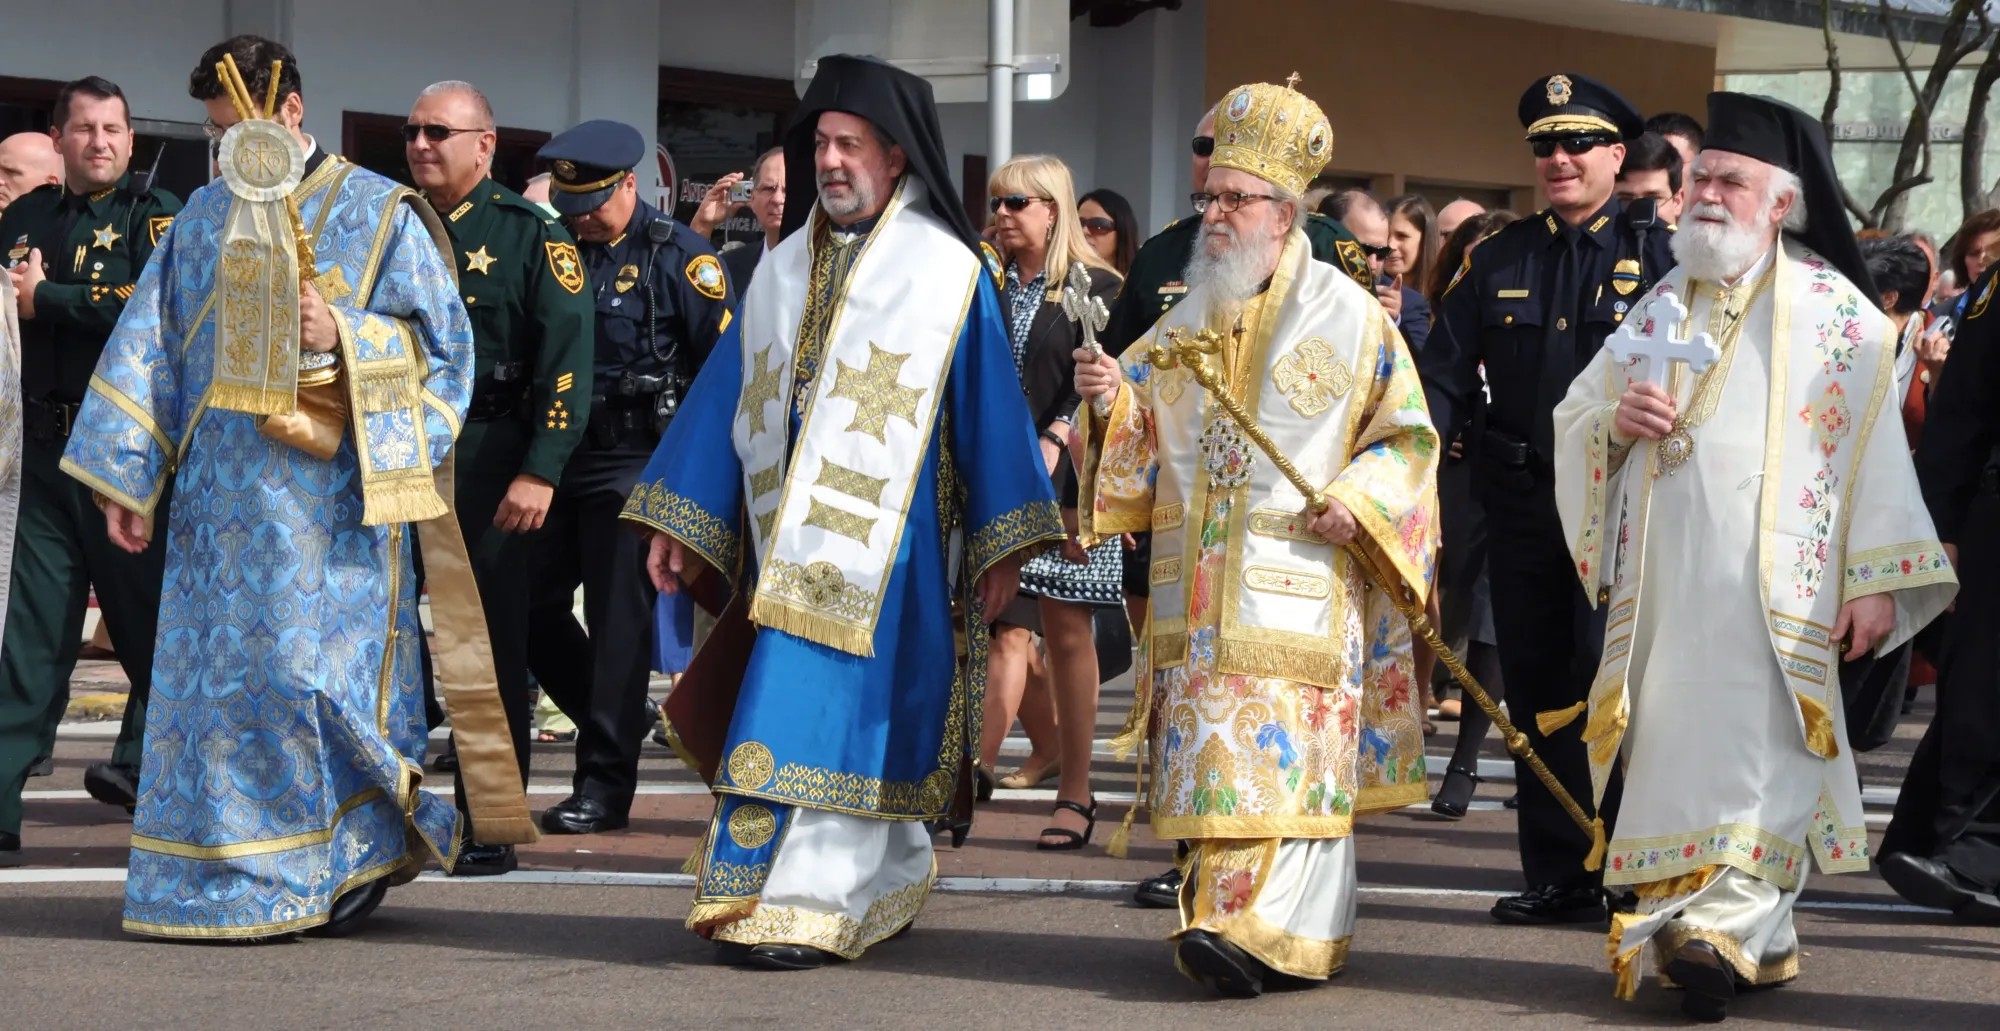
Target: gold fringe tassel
x,y
1120,845
784,614
704,917
1317,668
412,499
1595,860
1556,719
1820,739
1624,961
238,397
692,866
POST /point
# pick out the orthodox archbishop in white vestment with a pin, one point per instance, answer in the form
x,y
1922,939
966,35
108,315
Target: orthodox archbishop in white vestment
x,y
1742,551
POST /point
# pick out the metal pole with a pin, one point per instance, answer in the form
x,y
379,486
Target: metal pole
x,y
999,83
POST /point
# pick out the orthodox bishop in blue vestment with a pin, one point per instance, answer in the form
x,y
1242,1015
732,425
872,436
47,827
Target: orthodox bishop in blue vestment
x,y
279,789
854,458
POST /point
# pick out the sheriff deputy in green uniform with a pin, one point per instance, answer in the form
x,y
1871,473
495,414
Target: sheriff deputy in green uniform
x,y
523,285
74,252
1151,290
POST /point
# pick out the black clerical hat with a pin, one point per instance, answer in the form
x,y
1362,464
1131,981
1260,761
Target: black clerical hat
x,y
1777,133
1568,104
588,161
901,105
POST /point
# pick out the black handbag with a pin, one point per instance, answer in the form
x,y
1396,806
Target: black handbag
x,y
1112,634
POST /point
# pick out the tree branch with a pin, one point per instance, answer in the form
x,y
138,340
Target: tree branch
x,y
1971,194
1847,198
1913,160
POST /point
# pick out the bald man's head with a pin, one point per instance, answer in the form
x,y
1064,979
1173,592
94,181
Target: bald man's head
x,y
27,160
1454,213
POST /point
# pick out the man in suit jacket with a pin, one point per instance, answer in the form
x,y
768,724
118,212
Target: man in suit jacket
x,y
767,202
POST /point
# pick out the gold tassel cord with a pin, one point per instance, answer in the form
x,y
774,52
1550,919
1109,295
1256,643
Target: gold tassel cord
x,y
693,864
1556,719
1193,354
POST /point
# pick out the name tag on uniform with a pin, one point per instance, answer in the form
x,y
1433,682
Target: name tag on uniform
x,y
19,251
1511,294
1174,288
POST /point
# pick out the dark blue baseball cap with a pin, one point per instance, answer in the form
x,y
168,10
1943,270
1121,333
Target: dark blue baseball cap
x,y
588,161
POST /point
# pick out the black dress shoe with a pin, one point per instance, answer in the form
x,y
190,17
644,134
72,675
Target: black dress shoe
x,y
352,908
581,814
773,956
10,849
1455,794
1553,904
447,760
485,861
43,767
1513,801
731,954
1710,983
1932,882
1162,892
1223,967
113,784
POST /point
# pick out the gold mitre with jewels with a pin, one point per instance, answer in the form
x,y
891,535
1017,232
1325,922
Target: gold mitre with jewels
x,y
1272,132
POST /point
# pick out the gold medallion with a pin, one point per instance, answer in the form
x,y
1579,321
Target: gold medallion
x,y
1675,449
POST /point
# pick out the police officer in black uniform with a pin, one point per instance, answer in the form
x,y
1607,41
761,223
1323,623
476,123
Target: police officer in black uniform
x,y
75,250
1532,305
661,300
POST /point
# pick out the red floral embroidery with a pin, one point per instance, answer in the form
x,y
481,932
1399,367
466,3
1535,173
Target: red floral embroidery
x,y
1233,891
1395,688
1687,852
1906,566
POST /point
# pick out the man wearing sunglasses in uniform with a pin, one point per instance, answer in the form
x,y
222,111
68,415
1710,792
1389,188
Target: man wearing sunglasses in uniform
x,y
1532,305
1151,289
532,337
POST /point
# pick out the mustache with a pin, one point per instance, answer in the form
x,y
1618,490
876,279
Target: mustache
x,y
834,175
1712,211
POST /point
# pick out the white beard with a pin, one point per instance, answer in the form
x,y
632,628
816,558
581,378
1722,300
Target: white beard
x,y
1233,276
1716,252
859,197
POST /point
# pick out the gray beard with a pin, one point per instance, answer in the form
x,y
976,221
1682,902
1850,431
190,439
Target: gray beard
x,y
859,199
1231,277
1716,252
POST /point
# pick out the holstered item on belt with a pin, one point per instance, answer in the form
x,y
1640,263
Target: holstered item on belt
x,y
496,402
47,420
617,420
1507,450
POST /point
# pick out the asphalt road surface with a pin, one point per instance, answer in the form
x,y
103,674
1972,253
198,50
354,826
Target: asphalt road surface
x,y
588,935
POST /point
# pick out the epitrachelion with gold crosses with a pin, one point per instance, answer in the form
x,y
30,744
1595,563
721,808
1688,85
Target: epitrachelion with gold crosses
x,y
827,513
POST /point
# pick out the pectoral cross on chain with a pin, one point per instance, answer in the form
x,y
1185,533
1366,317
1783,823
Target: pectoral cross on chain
x,y
1664,339
1090,316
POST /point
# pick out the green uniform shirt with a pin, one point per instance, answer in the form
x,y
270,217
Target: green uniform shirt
x,y
523,285
93,248
1154,285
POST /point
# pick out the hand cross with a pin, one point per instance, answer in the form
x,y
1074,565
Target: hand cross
x,y
1664,339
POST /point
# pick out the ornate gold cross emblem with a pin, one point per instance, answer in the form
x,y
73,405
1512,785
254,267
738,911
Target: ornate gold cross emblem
x,y
1311,378
876,393
763,386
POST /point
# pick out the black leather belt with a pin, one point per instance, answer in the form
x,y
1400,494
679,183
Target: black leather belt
x,y
499,403
48,420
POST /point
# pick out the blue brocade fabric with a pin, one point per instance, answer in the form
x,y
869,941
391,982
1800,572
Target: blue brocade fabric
x,y
285,737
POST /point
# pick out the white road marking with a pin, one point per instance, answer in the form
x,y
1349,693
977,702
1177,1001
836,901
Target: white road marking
x,y
954,885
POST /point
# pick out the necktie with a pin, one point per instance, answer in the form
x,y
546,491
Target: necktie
x,y
1558,346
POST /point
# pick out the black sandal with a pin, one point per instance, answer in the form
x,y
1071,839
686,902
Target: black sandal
x,y
1455,794
982,784
1076,841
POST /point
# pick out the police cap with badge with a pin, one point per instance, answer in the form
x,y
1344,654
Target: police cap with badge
x,y
588,161
1570,111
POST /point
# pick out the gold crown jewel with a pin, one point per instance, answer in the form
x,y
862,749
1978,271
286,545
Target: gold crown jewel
x,y
1273,132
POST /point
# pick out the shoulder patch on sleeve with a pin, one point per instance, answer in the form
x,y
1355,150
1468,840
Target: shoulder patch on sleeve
x,y
1355,262
565,264
706,274
156,227
1985,298
994,266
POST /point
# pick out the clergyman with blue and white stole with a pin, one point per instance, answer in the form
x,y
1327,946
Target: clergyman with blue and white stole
x,y
879,460
285,740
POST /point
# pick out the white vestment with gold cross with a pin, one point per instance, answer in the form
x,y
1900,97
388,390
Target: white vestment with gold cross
x,y
1719,689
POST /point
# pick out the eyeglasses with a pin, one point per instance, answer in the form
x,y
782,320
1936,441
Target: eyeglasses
x,y
1571,145
1098,226
1228,202
1203,146
1014,202
1378,253
433,133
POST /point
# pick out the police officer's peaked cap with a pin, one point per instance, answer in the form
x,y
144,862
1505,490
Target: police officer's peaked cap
x,y
1568,104
588,161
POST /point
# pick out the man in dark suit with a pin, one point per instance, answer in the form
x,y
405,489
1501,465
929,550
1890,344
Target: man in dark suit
x,y
1368,220
767,202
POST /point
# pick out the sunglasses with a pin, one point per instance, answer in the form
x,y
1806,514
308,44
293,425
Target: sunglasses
x,y
1098,226
1571,145
1014,202
1203,146
1378,253
433,133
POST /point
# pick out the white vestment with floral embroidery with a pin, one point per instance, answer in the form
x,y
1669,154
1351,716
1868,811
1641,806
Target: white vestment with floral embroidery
x,y
1719,687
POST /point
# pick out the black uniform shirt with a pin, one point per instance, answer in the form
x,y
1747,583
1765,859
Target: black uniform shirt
x,y
1961,439
690,301
1504,309
93,248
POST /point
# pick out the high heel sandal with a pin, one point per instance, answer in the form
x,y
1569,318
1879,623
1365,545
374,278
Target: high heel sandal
x,y
982,789
1455,794
1076,841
